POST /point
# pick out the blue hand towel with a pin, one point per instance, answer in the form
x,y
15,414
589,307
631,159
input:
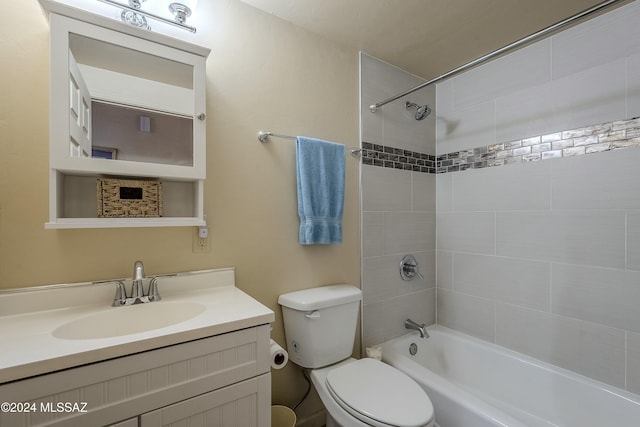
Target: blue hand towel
x,y
320,168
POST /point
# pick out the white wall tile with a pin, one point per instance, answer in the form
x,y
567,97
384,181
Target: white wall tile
x,y
605,39
409,232
608,180
393,124
398,207
444,192
427,265
605,296
444,97
587,348
384,321
463,129
417,306
633,362
465,313
443,113
385,189
466,232
596,95
516,187
381,80
423,131
372,233
444,269
500,229
399,125
514,281
382,281
422,306
633,86
633,240
381,278
426,261
371,123
526,67
424,192
576,237
373,322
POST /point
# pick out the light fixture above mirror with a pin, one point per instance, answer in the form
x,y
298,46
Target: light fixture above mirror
x,y
136,15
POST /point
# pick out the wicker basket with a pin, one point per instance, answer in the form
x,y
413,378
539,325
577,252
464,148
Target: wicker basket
x,y
126,198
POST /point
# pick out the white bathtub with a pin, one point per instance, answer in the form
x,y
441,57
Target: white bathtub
x,y
473,383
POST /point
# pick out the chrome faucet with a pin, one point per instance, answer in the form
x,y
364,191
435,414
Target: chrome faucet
x,y
137,289
422,328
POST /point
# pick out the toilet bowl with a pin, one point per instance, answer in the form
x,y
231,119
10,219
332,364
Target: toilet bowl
x,y
320,325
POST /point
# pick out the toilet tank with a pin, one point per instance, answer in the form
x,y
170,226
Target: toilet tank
x,y
320,324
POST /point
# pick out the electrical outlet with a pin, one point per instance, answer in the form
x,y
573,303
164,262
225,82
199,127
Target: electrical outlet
x,y
200,244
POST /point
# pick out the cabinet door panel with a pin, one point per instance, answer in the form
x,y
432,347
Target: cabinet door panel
x,y
132,422
245,404
79,113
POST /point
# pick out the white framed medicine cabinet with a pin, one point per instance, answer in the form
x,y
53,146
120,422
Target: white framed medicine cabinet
x,y
124,103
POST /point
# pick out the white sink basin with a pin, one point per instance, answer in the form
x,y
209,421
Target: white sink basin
x,y
119,321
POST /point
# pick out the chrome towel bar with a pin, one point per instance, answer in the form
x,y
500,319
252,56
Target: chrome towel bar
x,y
263,136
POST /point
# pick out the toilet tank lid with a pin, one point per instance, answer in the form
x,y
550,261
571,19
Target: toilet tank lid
x,y
322,297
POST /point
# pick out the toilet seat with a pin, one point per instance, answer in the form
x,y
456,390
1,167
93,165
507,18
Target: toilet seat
x,y
379,394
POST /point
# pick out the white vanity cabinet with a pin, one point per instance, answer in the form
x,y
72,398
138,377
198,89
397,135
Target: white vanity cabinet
x,y
222,380
125,103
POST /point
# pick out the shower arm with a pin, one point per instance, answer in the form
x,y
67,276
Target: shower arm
x,y
374,107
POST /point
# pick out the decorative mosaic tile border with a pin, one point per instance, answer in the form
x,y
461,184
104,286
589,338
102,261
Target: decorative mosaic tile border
x,y
586,140
397,158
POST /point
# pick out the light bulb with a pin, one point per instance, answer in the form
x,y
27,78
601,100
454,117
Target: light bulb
x,y
182,10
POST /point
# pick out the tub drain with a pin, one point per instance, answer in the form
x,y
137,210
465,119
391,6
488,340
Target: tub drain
x,y
413,349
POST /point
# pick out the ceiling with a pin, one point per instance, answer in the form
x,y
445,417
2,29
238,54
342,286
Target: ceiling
x,y
425,37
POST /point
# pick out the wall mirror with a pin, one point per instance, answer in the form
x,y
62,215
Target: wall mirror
x,y
125,101
129,105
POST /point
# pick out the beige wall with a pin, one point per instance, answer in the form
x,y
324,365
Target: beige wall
x,y
262,74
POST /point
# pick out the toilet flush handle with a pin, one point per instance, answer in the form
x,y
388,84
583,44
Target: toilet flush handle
x,y
315,314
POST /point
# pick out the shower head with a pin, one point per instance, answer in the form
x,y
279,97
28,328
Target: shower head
x,y
422,111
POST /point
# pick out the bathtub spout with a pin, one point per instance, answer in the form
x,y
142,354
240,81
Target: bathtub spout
x,y
422,328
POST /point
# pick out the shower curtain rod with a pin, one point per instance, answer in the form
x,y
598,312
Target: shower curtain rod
x,y
374,107
263,136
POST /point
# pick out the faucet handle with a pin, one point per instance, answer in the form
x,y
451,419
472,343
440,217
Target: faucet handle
x,y
154,294
121,294
409,268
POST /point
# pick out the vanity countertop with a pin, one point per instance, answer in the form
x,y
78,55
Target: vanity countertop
x,y
28,319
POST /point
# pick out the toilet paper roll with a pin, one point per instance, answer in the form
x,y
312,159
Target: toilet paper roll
x,y
374,352
279,356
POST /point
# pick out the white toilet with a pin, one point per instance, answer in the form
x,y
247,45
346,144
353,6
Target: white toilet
x,y
320,326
